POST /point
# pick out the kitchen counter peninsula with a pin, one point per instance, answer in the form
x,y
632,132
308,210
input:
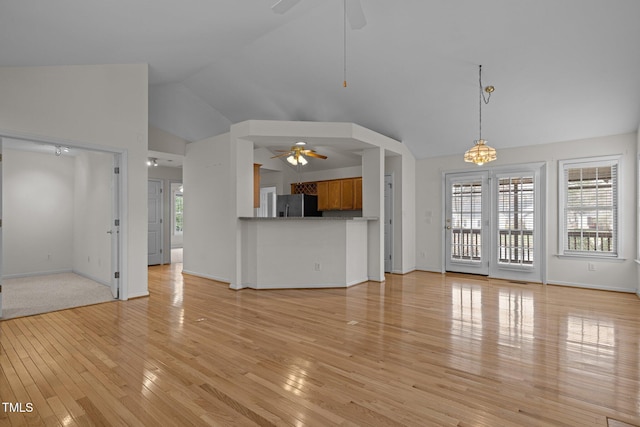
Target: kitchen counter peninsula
x,y
304,252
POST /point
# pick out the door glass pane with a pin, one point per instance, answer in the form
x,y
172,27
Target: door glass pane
x,y
515,220
466,221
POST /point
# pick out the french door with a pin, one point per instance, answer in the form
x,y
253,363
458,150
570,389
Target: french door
x,y
467,223
493,223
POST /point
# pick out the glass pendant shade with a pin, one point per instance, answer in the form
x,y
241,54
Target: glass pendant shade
x,y
480,153
297,159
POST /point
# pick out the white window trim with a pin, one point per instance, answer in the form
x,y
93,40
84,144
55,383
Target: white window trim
x,y
562,194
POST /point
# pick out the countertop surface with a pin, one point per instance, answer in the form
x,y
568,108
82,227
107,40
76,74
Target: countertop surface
x,y
310,218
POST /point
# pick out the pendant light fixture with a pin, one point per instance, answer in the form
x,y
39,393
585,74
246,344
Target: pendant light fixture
x,y
481,153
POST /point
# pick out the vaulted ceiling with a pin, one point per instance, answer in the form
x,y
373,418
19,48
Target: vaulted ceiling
x,y
562,70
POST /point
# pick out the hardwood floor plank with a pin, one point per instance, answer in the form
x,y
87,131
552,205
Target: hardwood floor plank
x,y
420,349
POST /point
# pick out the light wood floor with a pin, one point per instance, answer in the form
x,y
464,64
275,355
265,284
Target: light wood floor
x,y
420,350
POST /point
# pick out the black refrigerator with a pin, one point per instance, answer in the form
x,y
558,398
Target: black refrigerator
x,y
297,205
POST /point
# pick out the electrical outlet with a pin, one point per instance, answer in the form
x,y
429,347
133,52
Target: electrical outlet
x,y
591,266
317,266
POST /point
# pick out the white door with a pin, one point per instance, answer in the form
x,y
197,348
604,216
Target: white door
x,y
388,219
267,207
466,223
516,225
154,241
115,227
493,223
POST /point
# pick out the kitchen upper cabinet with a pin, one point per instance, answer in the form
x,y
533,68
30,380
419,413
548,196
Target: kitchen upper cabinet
x,y
347,195
339,194
322,190
335,195
357,191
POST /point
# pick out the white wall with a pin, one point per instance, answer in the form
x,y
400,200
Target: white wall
x,y
621,276
38,213
101,106
208,209
274,256
637,235
165,142
167,176
273,179
92,216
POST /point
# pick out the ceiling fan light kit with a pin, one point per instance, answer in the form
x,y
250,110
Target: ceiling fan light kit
x,y
296,154
481,153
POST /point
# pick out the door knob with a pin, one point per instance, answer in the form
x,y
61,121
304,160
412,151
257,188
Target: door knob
x,y
110,232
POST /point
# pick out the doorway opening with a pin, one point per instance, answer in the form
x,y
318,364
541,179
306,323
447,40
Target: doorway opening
x,y
60,231
177,221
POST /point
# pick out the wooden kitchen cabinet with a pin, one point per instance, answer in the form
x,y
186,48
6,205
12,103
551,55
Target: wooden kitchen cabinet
x,y
347,194
357,191
335,195
323,195
339,194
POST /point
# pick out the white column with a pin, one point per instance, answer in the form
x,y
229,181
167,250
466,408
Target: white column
x,y
373,206
241,191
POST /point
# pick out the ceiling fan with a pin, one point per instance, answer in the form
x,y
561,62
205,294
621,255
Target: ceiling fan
x,y
296,154
353,9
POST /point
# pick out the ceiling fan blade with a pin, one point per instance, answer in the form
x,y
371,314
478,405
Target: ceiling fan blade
x,y
282,6
281,155
314,154
355,14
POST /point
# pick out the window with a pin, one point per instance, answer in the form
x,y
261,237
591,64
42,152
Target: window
x,y
178,209
589,207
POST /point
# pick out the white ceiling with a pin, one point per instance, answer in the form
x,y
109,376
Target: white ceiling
x,y
562,70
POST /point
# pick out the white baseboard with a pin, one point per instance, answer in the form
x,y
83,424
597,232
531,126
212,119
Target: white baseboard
x,y
90,277
35,274
140,295
429,270
357,282
407,271
306,286
586,286
207,276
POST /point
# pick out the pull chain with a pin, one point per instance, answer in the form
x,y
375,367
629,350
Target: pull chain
x,y
344,3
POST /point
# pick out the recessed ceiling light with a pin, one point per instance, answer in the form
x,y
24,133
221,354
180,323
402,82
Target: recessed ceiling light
x,y
301,143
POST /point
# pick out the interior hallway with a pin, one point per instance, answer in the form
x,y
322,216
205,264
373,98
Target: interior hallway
x,y
420,349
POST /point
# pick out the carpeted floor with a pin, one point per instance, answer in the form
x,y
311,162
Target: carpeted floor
x,y
41,294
